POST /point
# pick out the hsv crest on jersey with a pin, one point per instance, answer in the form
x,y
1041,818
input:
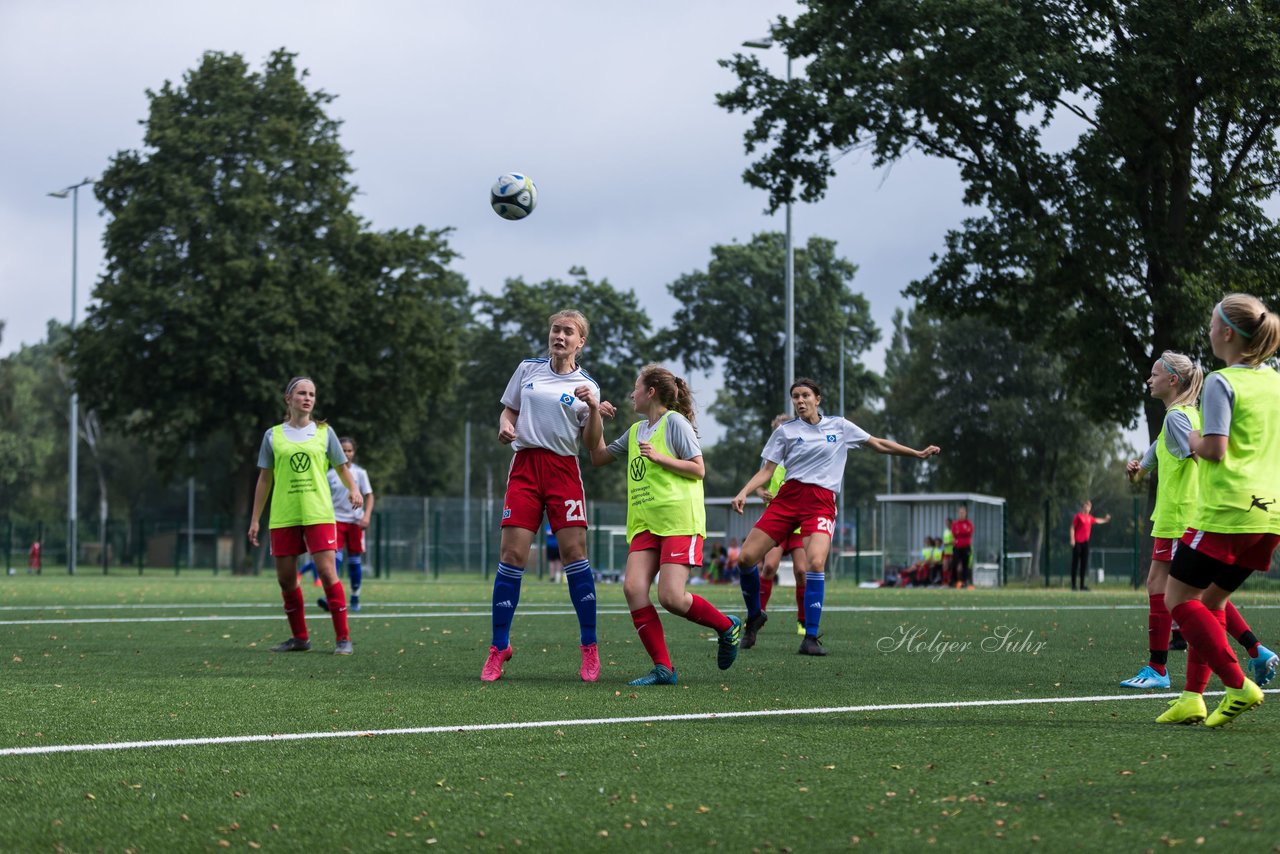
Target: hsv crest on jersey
x,y
566,399
831,438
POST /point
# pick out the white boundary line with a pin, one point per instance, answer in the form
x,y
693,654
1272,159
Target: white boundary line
x,y
518,725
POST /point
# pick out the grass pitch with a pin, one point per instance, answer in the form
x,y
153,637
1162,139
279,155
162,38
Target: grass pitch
x,y
93,660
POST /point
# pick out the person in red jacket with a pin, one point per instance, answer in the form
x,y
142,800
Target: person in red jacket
x,y
1081,527
962,531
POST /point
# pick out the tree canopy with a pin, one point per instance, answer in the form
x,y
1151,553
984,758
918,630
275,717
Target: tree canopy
x,y
1120,154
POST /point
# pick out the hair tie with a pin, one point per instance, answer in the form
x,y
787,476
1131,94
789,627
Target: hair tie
x,y
1171,370
1227,321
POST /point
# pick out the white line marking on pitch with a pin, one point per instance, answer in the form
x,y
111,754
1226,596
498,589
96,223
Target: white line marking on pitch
x,y
516,725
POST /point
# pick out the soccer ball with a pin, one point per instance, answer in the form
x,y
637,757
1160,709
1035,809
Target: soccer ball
x,y
513,196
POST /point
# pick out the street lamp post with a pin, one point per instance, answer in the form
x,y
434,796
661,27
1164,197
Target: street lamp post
x,y
74,437
766,43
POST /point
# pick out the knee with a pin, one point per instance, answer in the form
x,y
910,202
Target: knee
x,y
634,591
512,557
672,601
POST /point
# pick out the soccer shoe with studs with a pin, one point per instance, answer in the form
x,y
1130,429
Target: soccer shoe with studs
x,y
1177,643
323,604
751,628
344,647
590,670
1264,666
1147,678
292,645
728,642
1236,702
1187,709
811,646
492,671
659,675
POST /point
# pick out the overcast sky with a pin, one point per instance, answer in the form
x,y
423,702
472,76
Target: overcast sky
x,y
608,106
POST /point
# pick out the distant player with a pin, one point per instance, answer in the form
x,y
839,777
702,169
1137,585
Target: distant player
x,y
1081,530
292,463
352,523
555,566
1175,381
550,406
757,584
814,448
666,519
1235,527
961,548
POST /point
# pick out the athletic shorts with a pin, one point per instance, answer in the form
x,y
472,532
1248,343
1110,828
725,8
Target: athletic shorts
x,y
794,541
1163,548
1248,551
288,542
350,538
810,508
540,481
681,549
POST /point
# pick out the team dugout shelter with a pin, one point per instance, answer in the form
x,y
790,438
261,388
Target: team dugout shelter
x,y
905,521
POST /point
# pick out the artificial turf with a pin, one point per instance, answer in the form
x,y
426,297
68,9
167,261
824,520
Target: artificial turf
x,y
1059,776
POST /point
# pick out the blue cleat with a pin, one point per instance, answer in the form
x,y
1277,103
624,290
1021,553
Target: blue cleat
x,y
729,641
1147,678
1264,666
659,675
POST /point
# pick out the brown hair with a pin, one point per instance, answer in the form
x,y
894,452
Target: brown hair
x,y
1190,377
670,390
1259,327
342,440
805,382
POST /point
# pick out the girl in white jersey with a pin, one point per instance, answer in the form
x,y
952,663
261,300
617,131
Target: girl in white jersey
x,y
813,448
666,518
293,461
549,407
1235,527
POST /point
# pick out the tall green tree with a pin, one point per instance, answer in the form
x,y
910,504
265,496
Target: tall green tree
x,y
512,325
1120,155
234,260
731,319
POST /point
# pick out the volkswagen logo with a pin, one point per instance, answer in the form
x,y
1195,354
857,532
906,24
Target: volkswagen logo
x,y
300,462
637,468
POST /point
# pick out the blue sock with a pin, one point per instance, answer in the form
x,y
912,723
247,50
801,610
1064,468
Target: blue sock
x,y
309,566
749,581
355,571
506,596
337,562
815,584
582,592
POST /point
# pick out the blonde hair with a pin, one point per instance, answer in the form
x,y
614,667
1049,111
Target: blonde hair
x,y
573,315
670,390
1190,377
1259,328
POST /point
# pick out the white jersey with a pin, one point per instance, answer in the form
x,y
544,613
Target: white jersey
x,y
815,453
342,509
551,416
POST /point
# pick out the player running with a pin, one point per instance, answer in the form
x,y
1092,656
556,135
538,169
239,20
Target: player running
x,y
1176,381
814,448
1234,529
351,523
292,461
666,519
549,407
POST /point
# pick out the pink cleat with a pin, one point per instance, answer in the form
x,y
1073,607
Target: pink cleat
x,y
492,671
590,662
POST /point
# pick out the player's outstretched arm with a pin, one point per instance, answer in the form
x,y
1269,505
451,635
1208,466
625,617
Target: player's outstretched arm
x,y
890,447
600,455
758,480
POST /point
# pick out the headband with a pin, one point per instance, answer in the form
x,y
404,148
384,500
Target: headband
x,y
1227,321
1170,370
292,385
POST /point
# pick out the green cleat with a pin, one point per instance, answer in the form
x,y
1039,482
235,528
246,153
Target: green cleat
x,y
800,628
659,675
1187,709
730,639
1235,703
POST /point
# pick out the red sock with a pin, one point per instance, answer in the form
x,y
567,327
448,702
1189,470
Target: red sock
x,y
1198,672
337,598
800,596
649,627
766,589
295,608
704,613
1207,631
1238,628
1159,621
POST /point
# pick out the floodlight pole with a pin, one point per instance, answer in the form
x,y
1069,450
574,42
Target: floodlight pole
x,y
74,416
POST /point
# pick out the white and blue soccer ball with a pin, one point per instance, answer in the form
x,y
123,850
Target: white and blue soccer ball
x,y
513,196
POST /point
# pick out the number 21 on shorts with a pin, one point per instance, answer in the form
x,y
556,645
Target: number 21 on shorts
x,y
574,511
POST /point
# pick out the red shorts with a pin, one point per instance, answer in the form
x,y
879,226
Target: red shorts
x,y
810,508
794,541
1162,548
681,549
287,542
542,481
351,538
1247,551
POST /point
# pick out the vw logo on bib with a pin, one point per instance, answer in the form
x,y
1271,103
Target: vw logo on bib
x,y
300,462
637,468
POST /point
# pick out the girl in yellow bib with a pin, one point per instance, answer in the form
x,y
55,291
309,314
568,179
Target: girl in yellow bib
x,y
293,463
1235,526
666,518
